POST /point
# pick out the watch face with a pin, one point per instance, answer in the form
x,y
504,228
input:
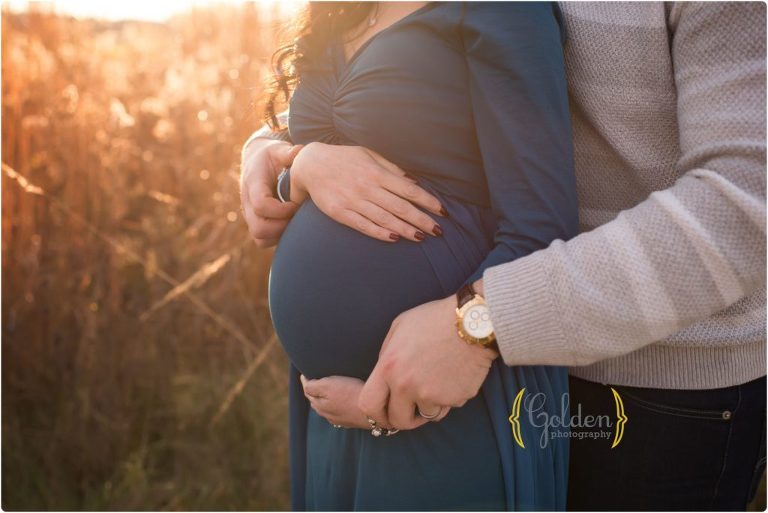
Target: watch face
x,y
477,321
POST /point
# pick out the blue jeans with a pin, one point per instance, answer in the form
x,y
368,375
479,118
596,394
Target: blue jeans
x,y
681,449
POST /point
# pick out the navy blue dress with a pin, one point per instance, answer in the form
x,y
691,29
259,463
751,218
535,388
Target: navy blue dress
x,y
470,99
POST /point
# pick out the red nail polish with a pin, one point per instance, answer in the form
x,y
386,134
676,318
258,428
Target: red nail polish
x,y
437,230
443,212
419,236
395,237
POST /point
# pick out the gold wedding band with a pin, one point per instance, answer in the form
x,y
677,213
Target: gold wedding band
x,y
429,417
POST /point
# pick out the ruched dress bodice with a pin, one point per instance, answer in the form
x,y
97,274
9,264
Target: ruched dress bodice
x,y
471,100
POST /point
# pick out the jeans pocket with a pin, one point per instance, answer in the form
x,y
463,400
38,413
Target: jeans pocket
x,y
678,410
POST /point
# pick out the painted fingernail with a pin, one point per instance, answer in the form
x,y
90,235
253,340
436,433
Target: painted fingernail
x,y
419,235
443,212
395,237
437,230
410,177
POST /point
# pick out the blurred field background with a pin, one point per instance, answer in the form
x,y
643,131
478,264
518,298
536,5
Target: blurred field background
x,y
139,368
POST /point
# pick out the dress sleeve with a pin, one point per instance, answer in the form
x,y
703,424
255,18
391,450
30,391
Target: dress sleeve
x,y
520,106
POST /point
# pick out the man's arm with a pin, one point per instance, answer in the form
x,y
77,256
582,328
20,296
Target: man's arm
x,y
683,254
265,133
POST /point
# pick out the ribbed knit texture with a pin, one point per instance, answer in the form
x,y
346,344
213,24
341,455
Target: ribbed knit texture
x,y
665,287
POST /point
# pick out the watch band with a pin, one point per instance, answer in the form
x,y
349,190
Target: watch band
x,y
465,294
284,185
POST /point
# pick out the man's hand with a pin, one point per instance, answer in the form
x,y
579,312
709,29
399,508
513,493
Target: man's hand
x,y
424,364
265,215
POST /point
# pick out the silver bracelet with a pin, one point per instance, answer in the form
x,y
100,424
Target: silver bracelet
x,y
377,431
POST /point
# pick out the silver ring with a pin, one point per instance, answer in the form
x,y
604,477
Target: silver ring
x,y
337,426
429,417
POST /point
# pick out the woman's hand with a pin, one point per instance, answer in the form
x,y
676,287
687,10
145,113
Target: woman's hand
x,y
335,399
357,187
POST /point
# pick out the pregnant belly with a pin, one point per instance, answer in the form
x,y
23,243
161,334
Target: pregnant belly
x,y
334,292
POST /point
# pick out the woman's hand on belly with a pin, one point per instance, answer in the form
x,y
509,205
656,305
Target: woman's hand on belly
x,y
359,188
335,399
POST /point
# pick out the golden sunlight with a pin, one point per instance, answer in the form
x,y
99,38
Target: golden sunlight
x,y
139,10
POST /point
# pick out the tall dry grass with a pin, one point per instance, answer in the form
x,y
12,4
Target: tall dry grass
x,y
139,365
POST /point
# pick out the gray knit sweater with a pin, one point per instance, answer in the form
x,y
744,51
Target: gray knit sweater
x,y
665,287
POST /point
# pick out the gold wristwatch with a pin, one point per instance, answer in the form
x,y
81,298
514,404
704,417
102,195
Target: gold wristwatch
x,y
473,319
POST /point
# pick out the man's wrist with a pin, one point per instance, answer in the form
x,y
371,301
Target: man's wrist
x,y
257,135
254,144
473,324
480,290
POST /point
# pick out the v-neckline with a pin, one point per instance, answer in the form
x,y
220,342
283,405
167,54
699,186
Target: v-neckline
x,y
347,63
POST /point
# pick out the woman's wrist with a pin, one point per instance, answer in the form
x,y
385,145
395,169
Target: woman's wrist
x,y
299,173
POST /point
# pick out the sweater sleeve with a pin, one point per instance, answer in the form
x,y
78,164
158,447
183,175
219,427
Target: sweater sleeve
x,y
683,254
267,133
519,102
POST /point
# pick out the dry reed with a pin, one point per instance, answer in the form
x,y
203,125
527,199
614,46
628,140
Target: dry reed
x,y
139,369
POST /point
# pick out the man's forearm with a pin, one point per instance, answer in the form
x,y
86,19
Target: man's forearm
x,y
679,257
265,133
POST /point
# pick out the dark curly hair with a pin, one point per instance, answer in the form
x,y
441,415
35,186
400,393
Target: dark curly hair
x,y
315,29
